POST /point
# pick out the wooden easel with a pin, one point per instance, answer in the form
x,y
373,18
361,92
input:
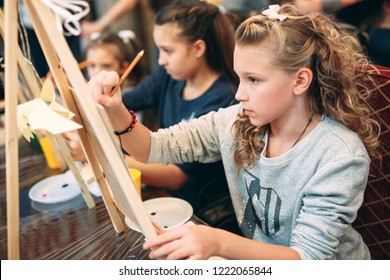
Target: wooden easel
x,y
96,136
33,86
11,135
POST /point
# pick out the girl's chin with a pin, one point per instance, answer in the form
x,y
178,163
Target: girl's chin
x,y
256,122
175,75
177,78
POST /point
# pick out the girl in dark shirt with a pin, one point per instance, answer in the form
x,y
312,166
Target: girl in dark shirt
x,y
195,42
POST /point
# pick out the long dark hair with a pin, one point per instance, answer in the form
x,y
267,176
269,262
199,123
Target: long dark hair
x,y
202,20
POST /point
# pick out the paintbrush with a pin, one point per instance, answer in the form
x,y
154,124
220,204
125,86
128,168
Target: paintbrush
x,y
127,72
156,225
85,63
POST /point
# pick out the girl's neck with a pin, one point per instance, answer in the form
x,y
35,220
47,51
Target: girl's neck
x,y
199,83
283,138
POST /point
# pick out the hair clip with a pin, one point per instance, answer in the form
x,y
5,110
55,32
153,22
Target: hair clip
x,y
95,35
126,35
272,13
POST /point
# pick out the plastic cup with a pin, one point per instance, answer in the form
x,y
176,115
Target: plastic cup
x,y
48,151
136,176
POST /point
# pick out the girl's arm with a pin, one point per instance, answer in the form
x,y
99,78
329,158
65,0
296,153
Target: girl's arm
x,y
117,10
203,242
159,175
135,142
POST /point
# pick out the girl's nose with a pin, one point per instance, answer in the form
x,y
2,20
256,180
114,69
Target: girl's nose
x,y
161,60
92,71
240,94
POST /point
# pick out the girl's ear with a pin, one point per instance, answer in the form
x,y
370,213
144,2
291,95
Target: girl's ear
x,y
304,76
200,48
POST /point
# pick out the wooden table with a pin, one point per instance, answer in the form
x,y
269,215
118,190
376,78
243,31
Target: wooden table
x,y
66,230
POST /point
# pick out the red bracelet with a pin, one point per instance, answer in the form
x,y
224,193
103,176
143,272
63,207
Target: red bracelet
x,y
130,128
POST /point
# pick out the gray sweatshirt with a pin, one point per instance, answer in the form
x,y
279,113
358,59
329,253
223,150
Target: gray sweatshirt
x,y
306,198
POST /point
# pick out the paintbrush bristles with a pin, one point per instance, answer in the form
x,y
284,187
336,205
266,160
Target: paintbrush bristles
x,y
127,72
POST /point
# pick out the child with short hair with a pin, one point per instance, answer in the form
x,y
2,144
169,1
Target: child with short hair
x,y
114,52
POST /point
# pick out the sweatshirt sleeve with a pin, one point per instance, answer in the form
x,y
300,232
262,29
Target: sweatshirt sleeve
x,y
186,142
199,139
330,204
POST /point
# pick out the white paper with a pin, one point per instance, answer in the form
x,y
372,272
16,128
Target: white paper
x,y
36,114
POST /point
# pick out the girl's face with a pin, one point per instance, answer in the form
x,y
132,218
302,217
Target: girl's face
x,y
265,90
175,54
104,58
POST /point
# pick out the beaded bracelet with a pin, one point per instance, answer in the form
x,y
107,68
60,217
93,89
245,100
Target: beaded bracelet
x,y
130,128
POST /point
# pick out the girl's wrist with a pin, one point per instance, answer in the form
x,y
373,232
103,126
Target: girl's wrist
x,y
218,245
130,127
120,118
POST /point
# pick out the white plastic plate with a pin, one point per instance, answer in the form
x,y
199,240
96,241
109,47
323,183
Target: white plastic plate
x,y
55,189
168,212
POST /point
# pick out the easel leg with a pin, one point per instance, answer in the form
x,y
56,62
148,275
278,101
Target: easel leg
x,y
11,135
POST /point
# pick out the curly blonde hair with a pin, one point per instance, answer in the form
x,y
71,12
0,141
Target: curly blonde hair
x,y
338,64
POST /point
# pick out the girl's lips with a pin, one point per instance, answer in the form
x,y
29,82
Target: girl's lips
x,y
248,112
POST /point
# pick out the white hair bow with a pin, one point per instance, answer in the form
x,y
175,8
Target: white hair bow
x,y
126,35
68,13
272,13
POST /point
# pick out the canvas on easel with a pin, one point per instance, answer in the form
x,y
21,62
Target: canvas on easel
x,y
96,135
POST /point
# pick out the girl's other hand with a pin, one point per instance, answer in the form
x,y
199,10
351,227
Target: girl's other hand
x,y
186,242
73,142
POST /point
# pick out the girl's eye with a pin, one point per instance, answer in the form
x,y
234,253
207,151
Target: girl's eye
x,y
166,51
253,80
106,66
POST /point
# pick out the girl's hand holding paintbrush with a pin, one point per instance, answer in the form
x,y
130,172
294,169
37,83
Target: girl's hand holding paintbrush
x,y
101,86
105,89
105,86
